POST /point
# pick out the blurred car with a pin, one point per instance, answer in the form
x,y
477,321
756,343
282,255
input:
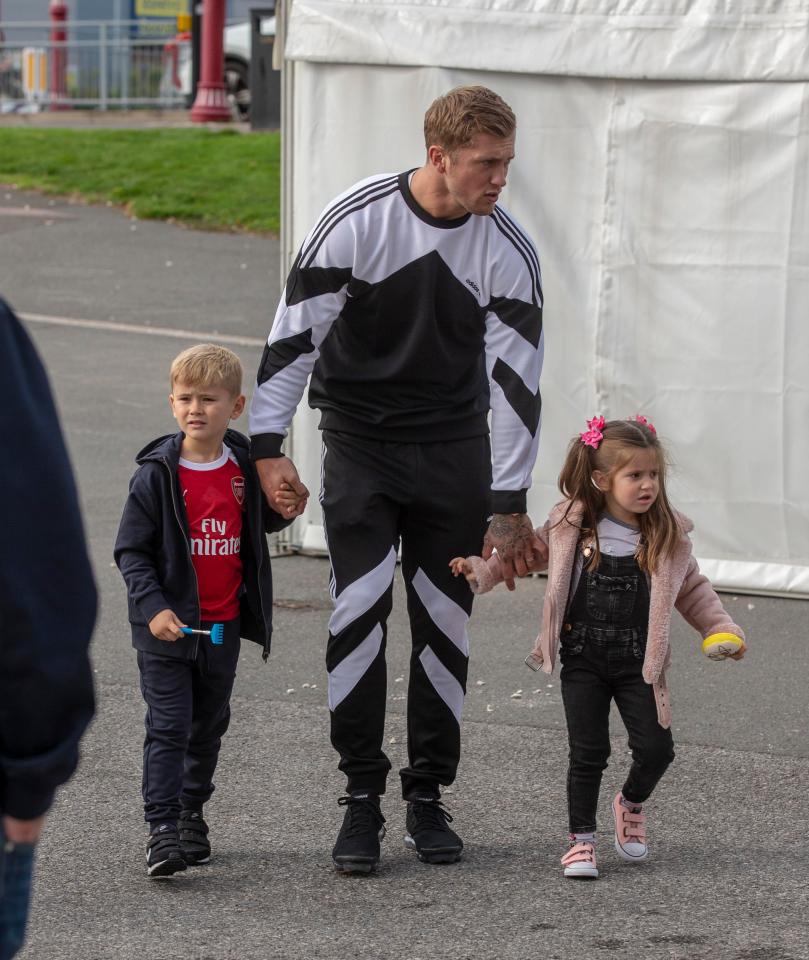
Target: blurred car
x,y
176,79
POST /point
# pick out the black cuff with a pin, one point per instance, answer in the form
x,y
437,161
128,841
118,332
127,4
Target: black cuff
x,y
27,801
266,446
510,501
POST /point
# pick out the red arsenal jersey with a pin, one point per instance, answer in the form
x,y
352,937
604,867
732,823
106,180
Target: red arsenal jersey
x,y
214,501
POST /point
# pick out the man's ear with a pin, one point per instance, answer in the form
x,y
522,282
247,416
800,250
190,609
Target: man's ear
x,y
437,156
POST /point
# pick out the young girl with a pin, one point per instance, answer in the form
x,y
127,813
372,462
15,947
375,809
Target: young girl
x,y
619,561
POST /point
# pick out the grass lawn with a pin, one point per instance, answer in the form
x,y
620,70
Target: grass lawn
x,y
207,179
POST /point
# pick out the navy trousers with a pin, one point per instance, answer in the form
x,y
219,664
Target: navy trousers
x,y
188,712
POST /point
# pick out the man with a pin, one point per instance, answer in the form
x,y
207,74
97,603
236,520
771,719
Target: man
x,y
47,612
415,303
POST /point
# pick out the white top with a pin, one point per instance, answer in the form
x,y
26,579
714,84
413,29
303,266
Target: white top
x,y
221,460
615,538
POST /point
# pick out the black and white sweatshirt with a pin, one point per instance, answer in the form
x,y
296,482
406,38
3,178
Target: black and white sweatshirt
x,y
412,328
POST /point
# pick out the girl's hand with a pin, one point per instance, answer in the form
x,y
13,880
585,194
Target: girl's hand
x,y
459,565
739,655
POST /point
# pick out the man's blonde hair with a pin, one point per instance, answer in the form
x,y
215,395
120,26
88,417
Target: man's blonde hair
x,y
453,120
206,364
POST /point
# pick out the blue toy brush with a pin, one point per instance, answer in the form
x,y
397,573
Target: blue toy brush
x,y
216,633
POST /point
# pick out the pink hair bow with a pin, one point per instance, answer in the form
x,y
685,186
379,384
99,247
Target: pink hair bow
x,y
593,435
639,418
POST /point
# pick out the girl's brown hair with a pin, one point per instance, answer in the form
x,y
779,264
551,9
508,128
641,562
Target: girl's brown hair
x,y
622,440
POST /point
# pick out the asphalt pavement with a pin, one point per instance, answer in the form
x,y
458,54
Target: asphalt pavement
x,y
109,302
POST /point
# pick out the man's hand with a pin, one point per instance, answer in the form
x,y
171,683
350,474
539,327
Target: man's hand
x,y
166,626
519,548
278,477
23,831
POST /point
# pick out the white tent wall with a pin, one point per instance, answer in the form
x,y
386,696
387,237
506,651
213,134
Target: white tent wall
x,y
672,221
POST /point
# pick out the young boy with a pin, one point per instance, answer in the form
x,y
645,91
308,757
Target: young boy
x,y
193,552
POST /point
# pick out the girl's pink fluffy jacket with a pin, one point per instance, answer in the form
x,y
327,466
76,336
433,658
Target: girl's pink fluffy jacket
x,y
676,584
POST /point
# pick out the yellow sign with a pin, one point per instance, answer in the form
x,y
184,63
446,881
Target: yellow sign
x,y
34,72
160,8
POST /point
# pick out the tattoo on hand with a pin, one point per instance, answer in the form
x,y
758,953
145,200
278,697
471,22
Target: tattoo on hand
x,y
510,535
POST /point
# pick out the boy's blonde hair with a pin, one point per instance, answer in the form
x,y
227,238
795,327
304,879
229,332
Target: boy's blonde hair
x,y
453,120
208,364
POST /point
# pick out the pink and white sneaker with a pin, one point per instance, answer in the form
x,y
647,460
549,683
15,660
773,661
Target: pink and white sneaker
x,y
630,831
580,861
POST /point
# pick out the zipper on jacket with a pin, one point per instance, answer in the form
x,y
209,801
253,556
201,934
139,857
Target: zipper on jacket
x,y
257,548
187,546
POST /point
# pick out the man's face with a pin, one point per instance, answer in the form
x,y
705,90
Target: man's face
x,y
475,174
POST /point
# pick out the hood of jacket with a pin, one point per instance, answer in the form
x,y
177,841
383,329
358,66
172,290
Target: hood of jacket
x,y
168,447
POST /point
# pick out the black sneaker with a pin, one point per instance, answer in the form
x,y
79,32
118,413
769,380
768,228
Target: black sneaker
x,y
194,841
163,854
357,847
428,832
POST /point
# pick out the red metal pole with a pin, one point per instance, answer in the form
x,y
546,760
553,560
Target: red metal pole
x,y
58,78
211,102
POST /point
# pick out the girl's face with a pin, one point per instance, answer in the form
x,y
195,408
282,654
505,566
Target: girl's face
x,y
633,488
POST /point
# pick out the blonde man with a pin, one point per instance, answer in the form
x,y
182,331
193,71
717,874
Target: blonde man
x,y
415,304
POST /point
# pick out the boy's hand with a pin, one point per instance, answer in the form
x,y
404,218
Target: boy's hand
x,y
288,498
459,565
166,626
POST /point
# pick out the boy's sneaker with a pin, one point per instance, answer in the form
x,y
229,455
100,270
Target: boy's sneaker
x,y
163,854
428,831
580,861
194,841
630,831
357,847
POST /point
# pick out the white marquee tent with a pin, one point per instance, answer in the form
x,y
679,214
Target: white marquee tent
x,y
663,169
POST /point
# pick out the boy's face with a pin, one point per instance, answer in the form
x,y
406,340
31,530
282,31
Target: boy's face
x,y
203,412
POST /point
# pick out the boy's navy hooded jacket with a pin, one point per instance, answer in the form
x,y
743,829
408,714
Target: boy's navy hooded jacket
x,y
153,549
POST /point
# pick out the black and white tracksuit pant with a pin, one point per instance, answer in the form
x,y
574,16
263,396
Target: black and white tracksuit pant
x,y
434,498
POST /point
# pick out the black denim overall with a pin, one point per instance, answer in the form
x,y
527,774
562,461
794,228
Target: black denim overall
x,y
602,645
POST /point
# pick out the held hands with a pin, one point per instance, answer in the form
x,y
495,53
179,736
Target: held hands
x,y
282,486
290,500
166,626
519,548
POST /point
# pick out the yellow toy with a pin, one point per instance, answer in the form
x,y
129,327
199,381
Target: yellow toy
x,y
721,645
